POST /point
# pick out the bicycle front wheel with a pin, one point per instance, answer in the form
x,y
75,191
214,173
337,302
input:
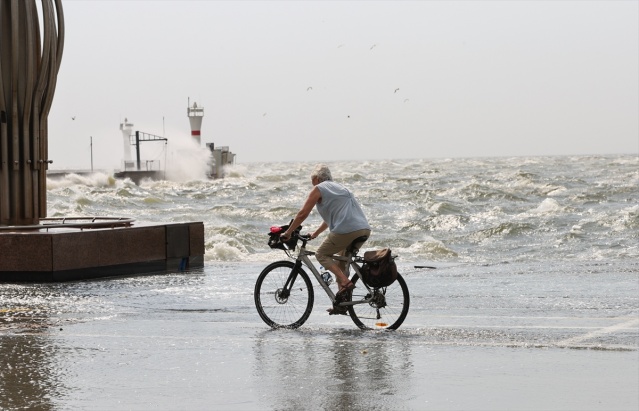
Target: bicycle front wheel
x,y
387,309
277,306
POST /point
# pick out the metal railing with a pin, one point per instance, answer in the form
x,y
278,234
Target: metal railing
x,y
81,223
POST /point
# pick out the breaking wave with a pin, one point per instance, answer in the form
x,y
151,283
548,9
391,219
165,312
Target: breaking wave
x,y
477,210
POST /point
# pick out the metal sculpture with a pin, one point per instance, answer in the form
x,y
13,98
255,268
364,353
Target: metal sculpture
x,y
30,56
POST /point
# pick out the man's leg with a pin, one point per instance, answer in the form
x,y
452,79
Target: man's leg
x,y
337,244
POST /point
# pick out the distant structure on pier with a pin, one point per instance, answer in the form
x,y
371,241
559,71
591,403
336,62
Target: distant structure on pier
x,y
136,169
127,130
195,114
220,156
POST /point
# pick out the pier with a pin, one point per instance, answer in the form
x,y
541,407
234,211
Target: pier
x,y
66,249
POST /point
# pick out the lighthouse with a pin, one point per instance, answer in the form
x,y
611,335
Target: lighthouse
x,y
195,114
126,128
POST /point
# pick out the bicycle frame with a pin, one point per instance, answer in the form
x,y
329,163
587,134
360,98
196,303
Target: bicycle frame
x,y
303,258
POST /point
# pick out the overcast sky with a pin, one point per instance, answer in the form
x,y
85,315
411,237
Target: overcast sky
x,y
321,81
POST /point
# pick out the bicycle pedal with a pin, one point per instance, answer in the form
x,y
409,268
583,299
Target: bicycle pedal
x,y
342,297
337,311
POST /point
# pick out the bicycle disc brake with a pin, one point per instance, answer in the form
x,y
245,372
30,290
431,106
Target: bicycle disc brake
x,y
281,296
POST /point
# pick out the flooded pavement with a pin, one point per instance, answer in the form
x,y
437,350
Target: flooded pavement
x,y
499,337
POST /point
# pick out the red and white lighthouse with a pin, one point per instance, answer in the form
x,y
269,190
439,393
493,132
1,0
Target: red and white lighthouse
x,y
195,114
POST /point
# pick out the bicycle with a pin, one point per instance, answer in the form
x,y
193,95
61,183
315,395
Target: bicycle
x,y
284,294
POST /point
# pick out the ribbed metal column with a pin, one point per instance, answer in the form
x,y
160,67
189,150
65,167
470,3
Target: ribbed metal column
x,y
29,63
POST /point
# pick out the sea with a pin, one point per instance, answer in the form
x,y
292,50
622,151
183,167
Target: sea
x,y
468,210
523,275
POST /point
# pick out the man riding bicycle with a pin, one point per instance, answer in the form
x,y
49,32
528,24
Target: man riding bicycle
x,y
345,220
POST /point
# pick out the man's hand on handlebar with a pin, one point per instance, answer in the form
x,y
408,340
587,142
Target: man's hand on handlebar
x,y
285,236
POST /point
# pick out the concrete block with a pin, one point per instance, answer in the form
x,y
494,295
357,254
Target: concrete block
x,y
25,252
76,250
177,241
196,238
65,254
132,245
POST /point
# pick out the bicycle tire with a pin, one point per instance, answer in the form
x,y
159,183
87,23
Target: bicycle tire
x,y
277,312
395,301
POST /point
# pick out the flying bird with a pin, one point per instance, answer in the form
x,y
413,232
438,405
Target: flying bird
x,y
73,118
373,46
310,88
396,90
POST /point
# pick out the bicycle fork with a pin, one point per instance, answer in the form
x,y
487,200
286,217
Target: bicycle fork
x,y
285,291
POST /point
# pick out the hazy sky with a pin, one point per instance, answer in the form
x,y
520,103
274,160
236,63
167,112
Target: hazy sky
x,y
320,81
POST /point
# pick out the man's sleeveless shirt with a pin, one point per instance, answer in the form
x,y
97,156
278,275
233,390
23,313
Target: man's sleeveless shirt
x,y
339,209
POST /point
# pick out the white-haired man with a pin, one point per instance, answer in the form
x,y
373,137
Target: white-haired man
x,y
344,218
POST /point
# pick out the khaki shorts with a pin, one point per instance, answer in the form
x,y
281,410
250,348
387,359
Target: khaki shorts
x,y
337,244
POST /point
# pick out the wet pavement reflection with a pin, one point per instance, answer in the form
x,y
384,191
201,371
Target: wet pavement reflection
x,y
476,338
334,370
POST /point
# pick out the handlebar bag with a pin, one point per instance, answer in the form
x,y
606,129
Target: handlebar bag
x,y
274,238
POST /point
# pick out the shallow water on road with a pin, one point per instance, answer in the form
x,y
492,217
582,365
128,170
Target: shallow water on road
x,y
506,336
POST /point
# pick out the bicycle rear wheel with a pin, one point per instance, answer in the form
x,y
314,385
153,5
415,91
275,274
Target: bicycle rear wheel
x,y
387,309
274,304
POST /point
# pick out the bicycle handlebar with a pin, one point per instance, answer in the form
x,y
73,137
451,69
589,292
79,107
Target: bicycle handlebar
x,y
304,237
296,234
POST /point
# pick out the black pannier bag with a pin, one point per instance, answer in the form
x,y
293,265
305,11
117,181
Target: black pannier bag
x,y
274,238
379,269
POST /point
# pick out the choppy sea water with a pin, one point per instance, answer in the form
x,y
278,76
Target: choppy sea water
x,y
488,210
533,304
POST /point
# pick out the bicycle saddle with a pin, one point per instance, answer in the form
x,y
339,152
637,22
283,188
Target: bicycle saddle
x,y
356,244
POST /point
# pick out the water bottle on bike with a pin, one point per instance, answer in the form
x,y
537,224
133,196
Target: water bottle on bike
x,y
327,277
